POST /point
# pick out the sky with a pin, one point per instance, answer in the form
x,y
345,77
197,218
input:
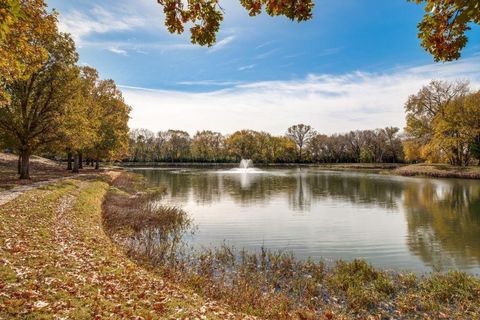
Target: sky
x,y
351,67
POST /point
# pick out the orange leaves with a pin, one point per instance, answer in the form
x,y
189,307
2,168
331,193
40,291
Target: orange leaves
x,y
294,10
254,7
206,15
442,29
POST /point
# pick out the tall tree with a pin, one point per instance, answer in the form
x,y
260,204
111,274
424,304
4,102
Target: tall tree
x,y
457,128
318,148
422,109
142,144
241,144
113,113
393,144
79,127
301,135
207,145
38,102
178,145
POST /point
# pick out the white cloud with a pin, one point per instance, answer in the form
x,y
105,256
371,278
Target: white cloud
x,y
265,54
330,103
264,44
209,83
222,43
118,51
247,67
97,20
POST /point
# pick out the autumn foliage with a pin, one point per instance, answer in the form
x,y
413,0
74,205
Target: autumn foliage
x,y
442,29
47,102
443,123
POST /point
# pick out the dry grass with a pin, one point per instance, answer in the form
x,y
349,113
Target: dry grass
x,y
439,171
154,231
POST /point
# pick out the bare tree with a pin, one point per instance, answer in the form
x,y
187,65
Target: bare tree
x,y
301,134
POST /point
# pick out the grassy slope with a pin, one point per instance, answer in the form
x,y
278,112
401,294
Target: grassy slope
x,y
55,259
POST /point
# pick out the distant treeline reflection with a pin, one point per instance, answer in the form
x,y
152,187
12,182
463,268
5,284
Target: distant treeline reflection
x,y
443,217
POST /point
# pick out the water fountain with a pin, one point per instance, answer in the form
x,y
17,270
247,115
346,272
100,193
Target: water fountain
x,y
245,166
246,163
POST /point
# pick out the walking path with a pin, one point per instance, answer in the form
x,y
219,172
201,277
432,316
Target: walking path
x,y
12,194
9,195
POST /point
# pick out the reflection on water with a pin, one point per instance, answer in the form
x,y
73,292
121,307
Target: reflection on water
x,y
394,222
444,218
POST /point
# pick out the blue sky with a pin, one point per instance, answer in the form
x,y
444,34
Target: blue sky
x,y
351,67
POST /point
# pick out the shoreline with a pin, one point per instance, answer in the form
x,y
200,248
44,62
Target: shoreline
x,y
441,171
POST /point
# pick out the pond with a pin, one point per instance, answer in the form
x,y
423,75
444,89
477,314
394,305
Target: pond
x,y
398,223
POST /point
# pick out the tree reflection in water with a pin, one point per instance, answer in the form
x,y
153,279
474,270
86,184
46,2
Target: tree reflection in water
x,y
444,222
442,216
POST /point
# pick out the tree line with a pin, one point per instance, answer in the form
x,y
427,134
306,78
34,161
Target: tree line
x,y
50,104
442,126
300,144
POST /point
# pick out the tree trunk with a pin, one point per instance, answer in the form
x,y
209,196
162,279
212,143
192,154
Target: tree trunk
x,y
97,164
75,163
19,164
25,165
69,161
80,160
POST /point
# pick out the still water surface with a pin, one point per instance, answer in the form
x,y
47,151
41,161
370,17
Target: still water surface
x,y
393,222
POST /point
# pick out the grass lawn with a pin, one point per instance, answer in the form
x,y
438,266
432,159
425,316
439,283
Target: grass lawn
x,y
57,262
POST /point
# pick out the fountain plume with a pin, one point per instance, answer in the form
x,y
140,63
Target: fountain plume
x,y
246,163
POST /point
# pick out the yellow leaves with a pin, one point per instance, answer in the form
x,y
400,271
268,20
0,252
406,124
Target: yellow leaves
x,y
443,119
21,49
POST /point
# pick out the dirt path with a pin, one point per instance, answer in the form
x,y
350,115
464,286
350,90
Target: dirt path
x,y
12,194
9,195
